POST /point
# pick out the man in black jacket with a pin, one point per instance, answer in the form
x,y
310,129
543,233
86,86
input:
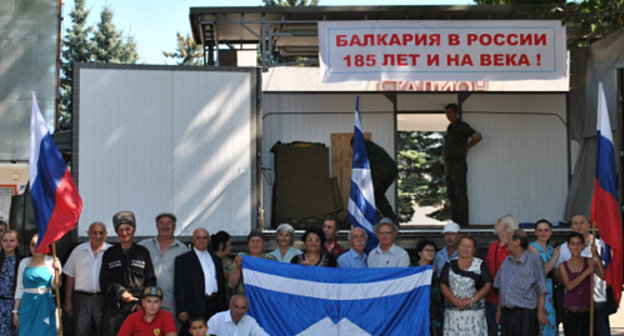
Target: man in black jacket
x,y
126,271
199,283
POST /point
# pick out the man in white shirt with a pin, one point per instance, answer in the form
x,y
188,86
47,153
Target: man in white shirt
x,y
163,250
83,299
387,253
199,282
580,224
235,322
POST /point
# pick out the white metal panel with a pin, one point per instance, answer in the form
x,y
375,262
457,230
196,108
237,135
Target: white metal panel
x,y
314,117
521,165
166,140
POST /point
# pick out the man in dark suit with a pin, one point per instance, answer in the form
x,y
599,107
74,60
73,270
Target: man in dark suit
x,y
199,284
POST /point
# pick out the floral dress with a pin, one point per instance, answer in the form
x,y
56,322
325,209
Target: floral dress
x,y
469,321
7,278
549,329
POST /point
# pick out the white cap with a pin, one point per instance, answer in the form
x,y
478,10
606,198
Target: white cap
x,y
451,227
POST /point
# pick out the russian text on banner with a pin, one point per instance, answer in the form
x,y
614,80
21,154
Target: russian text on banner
x,y
441,50
605,210
56,201
361,208
288,299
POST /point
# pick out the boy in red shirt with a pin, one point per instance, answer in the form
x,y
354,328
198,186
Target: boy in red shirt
x,y
150,320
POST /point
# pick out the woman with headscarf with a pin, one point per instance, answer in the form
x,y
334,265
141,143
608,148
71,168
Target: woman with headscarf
x,y
285,237
255,244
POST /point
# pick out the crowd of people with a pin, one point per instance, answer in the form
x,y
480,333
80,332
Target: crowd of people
x,y
159,284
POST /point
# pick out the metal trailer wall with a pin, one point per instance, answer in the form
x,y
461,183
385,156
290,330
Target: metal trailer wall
x,y
175,139
28,36
313,117
521,166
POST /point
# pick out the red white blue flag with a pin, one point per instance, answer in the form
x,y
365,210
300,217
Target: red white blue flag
x,y
55,198
605,209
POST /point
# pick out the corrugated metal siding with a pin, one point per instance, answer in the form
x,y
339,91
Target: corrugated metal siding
x,y
314,117
154,141
521,165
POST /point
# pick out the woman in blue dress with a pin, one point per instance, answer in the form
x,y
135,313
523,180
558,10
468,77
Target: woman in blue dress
x,y
8,270
34,310
543,231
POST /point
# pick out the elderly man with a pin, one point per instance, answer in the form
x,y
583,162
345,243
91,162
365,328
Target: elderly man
x,y
451,250
235,321
497,252
387,253
126,271
458,139
83,297
580,224
330,228
163,250
355,257
521,282
199,282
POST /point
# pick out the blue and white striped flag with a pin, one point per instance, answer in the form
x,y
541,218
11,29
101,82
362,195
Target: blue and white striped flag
x,y
288,299
361,208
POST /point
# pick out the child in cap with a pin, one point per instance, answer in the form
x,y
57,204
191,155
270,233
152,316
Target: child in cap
x,y
151,320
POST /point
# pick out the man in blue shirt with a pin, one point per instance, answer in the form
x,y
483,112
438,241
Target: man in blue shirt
x,y
451,250
355,257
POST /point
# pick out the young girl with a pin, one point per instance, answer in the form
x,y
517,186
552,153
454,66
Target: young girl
x,y
576,276
8,270
34,308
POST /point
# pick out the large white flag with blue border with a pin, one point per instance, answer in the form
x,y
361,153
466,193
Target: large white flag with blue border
x,y
288,299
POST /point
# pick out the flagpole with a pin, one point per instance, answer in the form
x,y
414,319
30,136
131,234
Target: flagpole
x,y
591,286
57,290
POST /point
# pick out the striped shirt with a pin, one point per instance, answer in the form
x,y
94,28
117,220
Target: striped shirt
x,y
521,282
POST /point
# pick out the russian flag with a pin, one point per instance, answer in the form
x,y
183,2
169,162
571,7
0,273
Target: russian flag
x,y
361,207
605,209
55,198
287,299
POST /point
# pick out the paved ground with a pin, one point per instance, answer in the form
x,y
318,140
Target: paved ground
x,y
617,322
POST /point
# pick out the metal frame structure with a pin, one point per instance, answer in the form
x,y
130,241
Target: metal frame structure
x,y
289,35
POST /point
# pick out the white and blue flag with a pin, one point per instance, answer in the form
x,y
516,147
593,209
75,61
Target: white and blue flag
x,y
361,208
289,299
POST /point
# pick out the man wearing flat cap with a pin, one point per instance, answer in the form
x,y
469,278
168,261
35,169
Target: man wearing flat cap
x,y
126,271
387,253
152,320
163,250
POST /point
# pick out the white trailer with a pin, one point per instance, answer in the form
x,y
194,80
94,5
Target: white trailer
x,y
154,139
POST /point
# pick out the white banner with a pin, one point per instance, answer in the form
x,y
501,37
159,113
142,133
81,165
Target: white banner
x,y
441,50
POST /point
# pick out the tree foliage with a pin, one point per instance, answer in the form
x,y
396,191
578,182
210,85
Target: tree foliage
x,y
592,19
421,174
290,3
187,51
84,44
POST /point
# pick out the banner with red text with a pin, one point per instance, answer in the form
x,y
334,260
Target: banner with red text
x,y
441,50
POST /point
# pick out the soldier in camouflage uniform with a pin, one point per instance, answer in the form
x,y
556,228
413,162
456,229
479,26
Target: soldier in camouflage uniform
x,y
458,139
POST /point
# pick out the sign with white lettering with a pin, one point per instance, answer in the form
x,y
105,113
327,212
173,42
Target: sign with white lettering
x,y
441,50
